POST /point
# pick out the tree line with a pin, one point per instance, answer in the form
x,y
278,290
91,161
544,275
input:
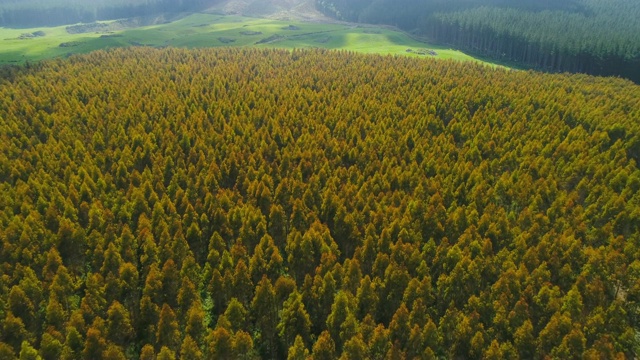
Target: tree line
x,y
589,36
246,203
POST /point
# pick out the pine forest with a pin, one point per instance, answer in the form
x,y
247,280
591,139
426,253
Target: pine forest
x,y
249,203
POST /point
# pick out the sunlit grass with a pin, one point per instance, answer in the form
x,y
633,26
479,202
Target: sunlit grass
x,y
210,30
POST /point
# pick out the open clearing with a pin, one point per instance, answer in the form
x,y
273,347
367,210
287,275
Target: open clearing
x,y
212,30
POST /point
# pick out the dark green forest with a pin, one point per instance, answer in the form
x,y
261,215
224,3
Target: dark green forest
x,y
597,37
35,13
245,203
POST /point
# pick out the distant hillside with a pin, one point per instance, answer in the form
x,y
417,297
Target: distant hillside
x,y
275,9
32,13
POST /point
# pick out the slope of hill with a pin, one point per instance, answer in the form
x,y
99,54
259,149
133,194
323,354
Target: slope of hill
x,y
18,46
254,203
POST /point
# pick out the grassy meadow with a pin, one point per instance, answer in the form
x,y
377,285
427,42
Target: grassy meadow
x,y
211,30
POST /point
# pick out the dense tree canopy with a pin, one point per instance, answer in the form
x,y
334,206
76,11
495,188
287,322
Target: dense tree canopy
x,y
590,36
244,203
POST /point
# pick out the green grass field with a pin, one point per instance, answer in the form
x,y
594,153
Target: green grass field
x,y
210,30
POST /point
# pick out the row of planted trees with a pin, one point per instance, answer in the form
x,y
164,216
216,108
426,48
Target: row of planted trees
x,y
273,204
600,44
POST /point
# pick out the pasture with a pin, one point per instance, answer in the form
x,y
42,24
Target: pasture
x,y
211,30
